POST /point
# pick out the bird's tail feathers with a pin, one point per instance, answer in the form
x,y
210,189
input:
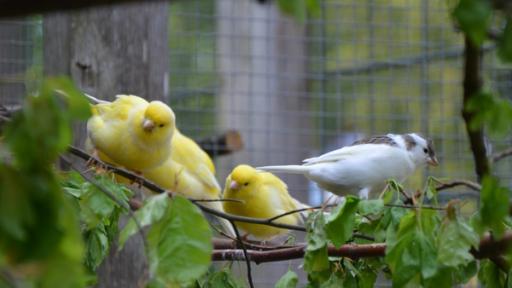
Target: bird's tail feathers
x,y
226,225
95,100
292,169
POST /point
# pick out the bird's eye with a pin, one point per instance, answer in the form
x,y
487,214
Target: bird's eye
x,y
425,150
246,183
161,125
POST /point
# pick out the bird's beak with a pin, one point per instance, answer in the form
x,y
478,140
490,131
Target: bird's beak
x,y
432,161
234,185
148,125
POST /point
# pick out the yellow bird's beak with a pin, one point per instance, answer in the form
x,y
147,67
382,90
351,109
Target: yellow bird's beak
x,y
234,185
148,125
433,161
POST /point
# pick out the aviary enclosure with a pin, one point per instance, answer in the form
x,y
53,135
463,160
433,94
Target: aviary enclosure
x,y
260,82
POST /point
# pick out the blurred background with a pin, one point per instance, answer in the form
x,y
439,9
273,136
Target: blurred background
x,y
294,86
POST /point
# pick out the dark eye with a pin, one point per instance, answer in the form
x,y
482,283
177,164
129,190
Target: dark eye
x,y
161,125
425,150
246,183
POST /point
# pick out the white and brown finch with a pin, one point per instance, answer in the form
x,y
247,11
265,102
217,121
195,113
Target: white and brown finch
x,y
364,167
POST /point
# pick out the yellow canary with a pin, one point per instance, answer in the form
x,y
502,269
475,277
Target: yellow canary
x,y
131,132
262,195
189,171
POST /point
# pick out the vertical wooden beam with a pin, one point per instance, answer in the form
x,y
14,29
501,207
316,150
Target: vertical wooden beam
x,y
107,51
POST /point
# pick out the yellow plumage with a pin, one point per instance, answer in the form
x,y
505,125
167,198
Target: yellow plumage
x,y
131,132
189,171
263,195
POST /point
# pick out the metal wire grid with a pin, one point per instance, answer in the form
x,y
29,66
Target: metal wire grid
x,y
20,58
371,67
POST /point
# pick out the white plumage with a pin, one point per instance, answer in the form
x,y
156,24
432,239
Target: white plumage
x,y
364,168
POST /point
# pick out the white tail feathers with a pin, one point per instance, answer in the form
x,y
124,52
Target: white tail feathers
x,y
292,169
94,99
226,225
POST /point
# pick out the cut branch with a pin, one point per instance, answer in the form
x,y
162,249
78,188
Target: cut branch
x,y
224,144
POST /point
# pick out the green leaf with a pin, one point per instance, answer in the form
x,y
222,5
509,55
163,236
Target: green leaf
x,y
490,275
474,18
505,43
180,244
367,207
289,280
152,211
97,247
340,223
492,111
299,9
316,259
412,252
221,279
455,240
78,104
494,204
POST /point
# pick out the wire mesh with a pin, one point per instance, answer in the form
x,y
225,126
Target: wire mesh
x,y
354,68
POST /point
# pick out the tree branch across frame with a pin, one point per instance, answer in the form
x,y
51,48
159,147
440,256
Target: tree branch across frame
x,y
228,249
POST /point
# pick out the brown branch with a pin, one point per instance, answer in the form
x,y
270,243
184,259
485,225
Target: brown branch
x,y
488,248
227,143
472,86
459,182
501,155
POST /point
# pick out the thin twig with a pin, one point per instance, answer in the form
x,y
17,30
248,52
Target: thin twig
x,y
459,182
500,155
415,207
246,255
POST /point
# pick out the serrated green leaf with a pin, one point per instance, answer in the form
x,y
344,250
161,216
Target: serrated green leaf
x,y
289,280
494,204
455,240
339,224
180,244
367,207
152,211
474,18
411,252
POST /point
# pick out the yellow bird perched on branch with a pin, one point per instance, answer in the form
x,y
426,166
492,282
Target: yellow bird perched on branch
x,y
131,132
189,171
262,195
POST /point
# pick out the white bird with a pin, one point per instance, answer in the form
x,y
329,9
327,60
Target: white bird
x,y
364,167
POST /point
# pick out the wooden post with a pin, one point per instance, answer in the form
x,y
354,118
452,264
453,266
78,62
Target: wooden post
x,y
262,67
107,51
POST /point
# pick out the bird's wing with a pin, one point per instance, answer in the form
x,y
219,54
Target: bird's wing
x,y
281,199
120,109
188,153
347,152
206,176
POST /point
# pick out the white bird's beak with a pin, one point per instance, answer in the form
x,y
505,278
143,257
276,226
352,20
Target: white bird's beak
x,y
234,185
433,161
148,125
